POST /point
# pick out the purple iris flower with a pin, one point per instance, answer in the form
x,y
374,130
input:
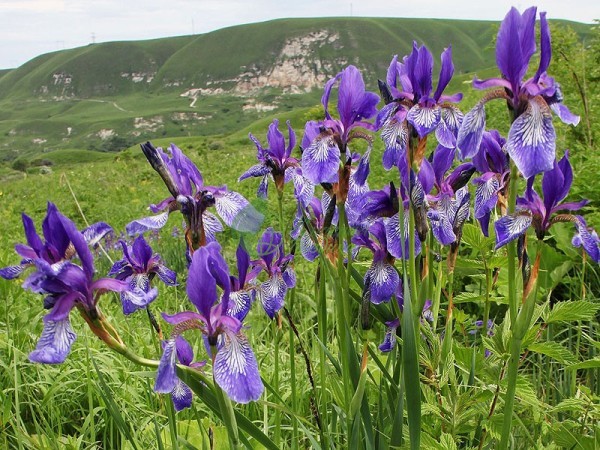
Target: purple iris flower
x,y
317,212
531,139
492,162
389,340
449,207
235,368
190,196
325,143
179,348
64,284
542,214
56,248
242,293
381,279
409,100
386,203
276,162
273,260
138,267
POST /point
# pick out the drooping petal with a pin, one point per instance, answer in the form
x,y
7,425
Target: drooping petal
x,y
139,295
237,212
166,376
181,395
236,370
212,226
239,304
55,342
447,129
441,216
12,272
564,114
308,248
257,170
532,140
201,285
471,131
271,294
389,340
304,189
320,161
587,238
95,232
398,244
510,227
382,280
486,198
140,226
166,275
425,119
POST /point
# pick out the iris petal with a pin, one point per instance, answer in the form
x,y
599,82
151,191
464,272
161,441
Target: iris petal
x,y
320,161
532,140
55,342
236,370
509,228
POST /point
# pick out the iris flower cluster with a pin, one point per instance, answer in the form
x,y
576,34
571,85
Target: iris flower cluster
x,y
433,187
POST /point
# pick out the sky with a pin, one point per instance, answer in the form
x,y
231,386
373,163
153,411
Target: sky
x,y
34,27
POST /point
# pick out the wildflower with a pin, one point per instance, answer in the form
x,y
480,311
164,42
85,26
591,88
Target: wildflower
x,y
138,266
235,368
542,214
190,196
64,284
56,248
327,142
492,162
409,101
276,162
531,140
273,260
381,279
449,207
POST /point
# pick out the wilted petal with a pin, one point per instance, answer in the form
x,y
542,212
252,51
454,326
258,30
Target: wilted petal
x,y
140,226
236,370
424,119
532,140
509,228
471,131
320,161
55,342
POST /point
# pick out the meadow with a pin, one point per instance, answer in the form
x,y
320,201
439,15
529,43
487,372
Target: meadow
x,y
99,399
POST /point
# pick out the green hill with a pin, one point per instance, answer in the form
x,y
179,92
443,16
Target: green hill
x,y
109,96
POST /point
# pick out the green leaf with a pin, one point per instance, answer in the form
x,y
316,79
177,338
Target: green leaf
x,y
447,442
554,350
589,364
572,311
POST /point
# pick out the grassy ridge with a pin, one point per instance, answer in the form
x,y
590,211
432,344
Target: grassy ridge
x,y
41,111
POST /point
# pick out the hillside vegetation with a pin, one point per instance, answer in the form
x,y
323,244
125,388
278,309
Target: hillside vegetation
x,y
108,96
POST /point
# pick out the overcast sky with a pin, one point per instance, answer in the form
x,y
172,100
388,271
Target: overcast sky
x,y
32,27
